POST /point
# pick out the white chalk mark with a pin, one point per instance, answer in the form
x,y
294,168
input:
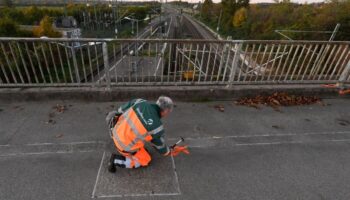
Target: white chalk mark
x,y
98,175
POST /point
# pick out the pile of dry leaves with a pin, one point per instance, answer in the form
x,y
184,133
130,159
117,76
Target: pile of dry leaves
x,y
278,99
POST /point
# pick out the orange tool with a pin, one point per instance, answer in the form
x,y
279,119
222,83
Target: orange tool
x,y
175,149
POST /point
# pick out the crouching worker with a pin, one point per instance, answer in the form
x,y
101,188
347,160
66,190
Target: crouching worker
x,y
134,124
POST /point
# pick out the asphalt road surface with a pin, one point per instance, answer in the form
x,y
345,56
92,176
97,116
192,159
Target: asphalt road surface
x,y
301,152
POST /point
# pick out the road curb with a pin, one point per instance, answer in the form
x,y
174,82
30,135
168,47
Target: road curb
x,y
183,93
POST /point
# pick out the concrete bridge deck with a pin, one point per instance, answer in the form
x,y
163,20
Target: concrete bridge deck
x,y
54,152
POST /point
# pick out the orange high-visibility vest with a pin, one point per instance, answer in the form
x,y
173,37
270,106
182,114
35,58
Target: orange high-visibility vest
x,y
129,134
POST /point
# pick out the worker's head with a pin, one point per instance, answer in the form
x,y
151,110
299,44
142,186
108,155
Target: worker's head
x,y
166,105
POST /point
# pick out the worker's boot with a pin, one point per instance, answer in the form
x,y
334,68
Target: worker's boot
x,y
111,165
120,161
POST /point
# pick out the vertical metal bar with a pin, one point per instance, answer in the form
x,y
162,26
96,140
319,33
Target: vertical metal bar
x,y
208,62
142,71
90,63
15,61
326,63
320,53
267,62
291,63
346,72
39,63
8,63
82,61
304,60
345,51
234,66
97,63
75,64
169,61
182,61
296,64
4,71
68,62
261,61
62,66
202,60
341,70
31,63
24,63
227,62
54,63
129,57
195,63
279,62
106,64
46,62
250,63
286,62
222,60
188,61
214,64
310,60
176,57
255,64
114,53
243,62
321,60
162,53
335,57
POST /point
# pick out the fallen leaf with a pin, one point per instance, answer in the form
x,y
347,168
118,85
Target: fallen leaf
x,y
220,108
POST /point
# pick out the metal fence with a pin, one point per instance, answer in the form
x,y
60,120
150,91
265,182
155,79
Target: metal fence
x,y
114,62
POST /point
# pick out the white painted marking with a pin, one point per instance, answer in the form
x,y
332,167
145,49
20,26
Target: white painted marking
x,y
66,143
137,195
176,177
276,143
265,135
44,153
98,175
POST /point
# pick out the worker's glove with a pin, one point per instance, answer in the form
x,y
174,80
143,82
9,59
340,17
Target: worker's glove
x,y
178,149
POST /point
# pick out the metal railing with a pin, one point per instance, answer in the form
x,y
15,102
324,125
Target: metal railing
x,y
113,62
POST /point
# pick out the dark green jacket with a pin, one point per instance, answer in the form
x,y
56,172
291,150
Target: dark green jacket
x,y
149,115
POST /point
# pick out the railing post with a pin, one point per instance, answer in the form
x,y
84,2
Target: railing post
x,y
345,74
106,64
238,48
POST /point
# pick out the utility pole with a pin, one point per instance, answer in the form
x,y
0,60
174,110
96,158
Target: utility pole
x,y
218,26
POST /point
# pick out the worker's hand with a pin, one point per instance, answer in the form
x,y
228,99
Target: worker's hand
x,y
178,149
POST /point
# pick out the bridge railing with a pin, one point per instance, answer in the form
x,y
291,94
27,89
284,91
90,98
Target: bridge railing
x,y
114,62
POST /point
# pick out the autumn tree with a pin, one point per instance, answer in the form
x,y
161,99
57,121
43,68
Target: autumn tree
x,y
240,17
46,29
229,7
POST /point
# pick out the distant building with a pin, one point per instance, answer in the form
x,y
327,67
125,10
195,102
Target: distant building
x,y
66,22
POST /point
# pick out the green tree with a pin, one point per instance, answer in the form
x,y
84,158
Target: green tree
x,y
8,27
7,3
206,9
